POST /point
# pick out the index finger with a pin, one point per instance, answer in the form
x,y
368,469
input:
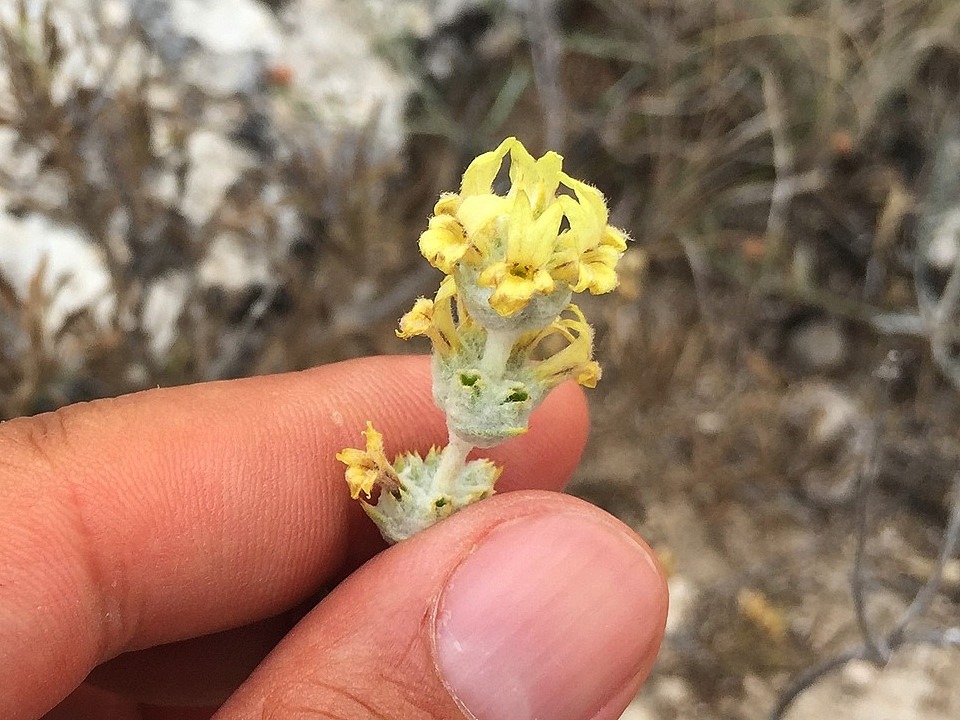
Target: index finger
x,y
174,513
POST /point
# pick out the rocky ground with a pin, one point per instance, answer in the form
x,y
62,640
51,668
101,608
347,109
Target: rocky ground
x,y
192,189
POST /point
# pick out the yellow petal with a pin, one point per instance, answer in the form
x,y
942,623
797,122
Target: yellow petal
x,y
522,164
351,456
480,174
614,238
548,168
598,278
588,375
565,263
585,231
476,213
590,199
511,295
604,280
520,243
443,243
417,321
575,360
361,473
374,443
537,178
492,274
446,338
447,204
543,282
369,467
434,318
361,480
544,240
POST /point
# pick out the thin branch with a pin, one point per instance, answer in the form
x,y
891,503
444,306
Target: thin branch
x,y
784,161
923,599
950,637
879,649
876,650
942,327
811,676
546,50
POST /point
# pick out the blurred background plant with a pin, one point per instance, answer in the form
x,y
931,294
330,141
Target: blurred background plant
x,y
192,189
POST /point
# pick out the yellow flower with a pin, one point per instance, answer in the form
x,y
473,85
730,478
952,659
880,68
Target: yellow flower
x,y
370,467
444,242
525,270
538,179
514,241
574,361
418,321
434,318
597,245
462,226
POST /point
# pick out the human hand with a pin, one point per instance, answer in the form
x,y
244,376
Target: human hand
x,y
175,537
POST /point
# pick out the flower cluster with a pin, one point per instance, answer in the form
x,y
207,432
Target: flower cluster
x,y
511,263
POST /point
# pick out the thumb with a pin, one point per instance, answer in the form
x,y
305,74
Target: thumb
x,y
528,605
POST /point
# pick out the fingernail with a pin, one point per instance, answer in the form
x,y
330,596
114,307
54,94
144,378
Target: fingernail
x,y
550,617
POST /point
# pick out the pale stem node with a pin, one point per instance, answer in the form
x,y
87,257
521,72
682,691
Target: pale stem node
x,y
496,351
452,460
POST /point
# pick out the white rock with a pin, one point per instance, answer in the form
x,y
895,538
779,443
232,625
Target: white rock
x,y
238,26
672,690
215,164
115,13
20,163
236,38
683,596
75,275
819,345
215,45
162,306
836,434
395,17
639,709
89,34
827,413
340,85
857,676
232,265
163,186
941,252
710,423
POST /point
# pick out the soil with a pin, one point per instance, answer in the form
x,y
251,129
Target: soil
x,y
741,470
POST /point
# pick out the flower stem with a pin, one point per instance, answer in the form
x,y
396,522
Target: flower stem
x,y
452,459
496,351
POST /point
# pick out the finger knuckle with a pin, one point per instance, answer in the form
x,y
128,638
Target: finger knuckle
x,y
316,699
43,457
37,442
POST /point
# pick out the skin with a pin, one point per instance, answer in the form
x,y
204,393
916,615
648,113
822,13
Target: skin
x,y
157,546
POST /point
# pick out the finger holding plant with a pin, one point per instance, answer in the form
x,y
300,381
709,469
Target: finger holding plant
x,y
511,263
